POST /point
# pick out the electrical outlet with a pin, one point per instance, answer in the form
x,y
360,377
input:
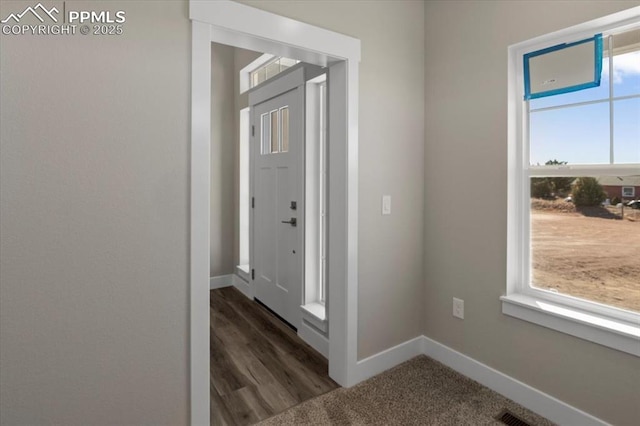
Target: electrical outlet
x,y
458,308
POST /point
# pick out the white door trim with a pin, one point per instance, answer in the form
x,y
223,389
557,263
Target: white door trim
x,y
238,25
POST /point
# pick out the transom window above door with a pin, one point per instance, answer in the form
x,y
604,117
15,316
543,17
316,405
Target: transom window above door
x,y
270,69
274,131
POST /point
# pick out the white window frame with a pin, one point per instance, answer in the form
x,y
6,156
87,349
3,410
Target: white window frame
x,y
314,308
245,73
602,324
261,62
632,192
322,289
244,259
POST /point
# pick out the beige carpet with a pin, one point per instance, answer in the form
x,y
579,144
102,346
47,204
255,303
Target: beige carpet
x,y
419,392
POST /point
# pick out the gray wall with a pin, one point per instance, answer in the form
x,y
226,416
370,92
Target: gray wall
x,y
94,208
223,160
391,159
466,122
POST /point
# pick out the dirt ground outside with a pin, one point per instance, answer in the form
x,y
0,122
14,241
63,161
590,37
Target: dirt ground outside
x,y
592,258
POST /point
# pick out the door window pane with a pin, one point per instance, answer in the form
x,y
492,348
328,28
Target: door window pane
x,y
265,134
284,128
274,131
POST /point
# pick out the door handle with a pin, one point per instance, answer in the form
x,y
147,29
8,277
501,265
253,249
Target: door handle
x,y
292,222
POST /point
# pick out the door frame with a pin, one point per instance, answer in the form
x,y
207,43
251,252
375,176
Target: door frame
x,y
238,25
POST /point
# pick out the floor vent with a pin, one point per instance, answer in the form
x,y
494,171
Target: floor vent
x,y
508,418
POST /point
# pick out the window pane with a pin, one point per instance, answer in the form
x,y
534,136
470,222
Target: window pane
x,y
274,131
577,135
591,94
272,69
265,134
626,131
286,63
626,74
244,133
586,252
262,75
284,128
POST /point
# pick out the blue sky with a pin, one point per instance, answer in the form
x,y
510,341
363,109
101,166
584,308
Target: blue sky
x,y
580,135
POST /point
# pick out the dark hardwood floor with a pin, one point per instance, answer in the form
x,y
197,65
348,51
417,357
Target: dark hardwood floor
x,y
259,366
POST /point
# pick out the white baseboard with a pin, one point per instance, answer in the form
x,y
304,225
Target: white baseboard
x,y
382,361
314,338
537,401
220,281
243,286
525,395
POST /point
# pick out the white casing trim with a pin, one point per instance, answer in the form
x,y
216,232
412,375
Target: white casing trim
x,y
220,281
199,269
314,338
533,399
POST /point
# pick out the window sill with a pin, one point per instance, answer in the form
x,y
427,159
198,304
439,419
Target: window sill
x,y
243,272
316,315
617,334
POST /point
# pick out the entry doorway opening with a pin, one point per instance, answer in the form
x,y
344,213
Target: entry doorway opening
x,y
275,143
270,146
246,27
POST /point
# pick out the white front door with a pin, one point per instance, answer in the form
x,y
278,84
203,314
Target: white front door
x,y
278,213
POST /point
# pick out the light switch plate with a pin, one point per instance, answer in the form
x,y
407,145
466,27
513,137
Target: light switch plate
x,y
386,204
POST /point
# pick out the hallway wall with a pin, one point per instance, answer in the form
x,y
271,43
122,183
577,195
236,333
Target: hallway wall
x,y
223,161
227,102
